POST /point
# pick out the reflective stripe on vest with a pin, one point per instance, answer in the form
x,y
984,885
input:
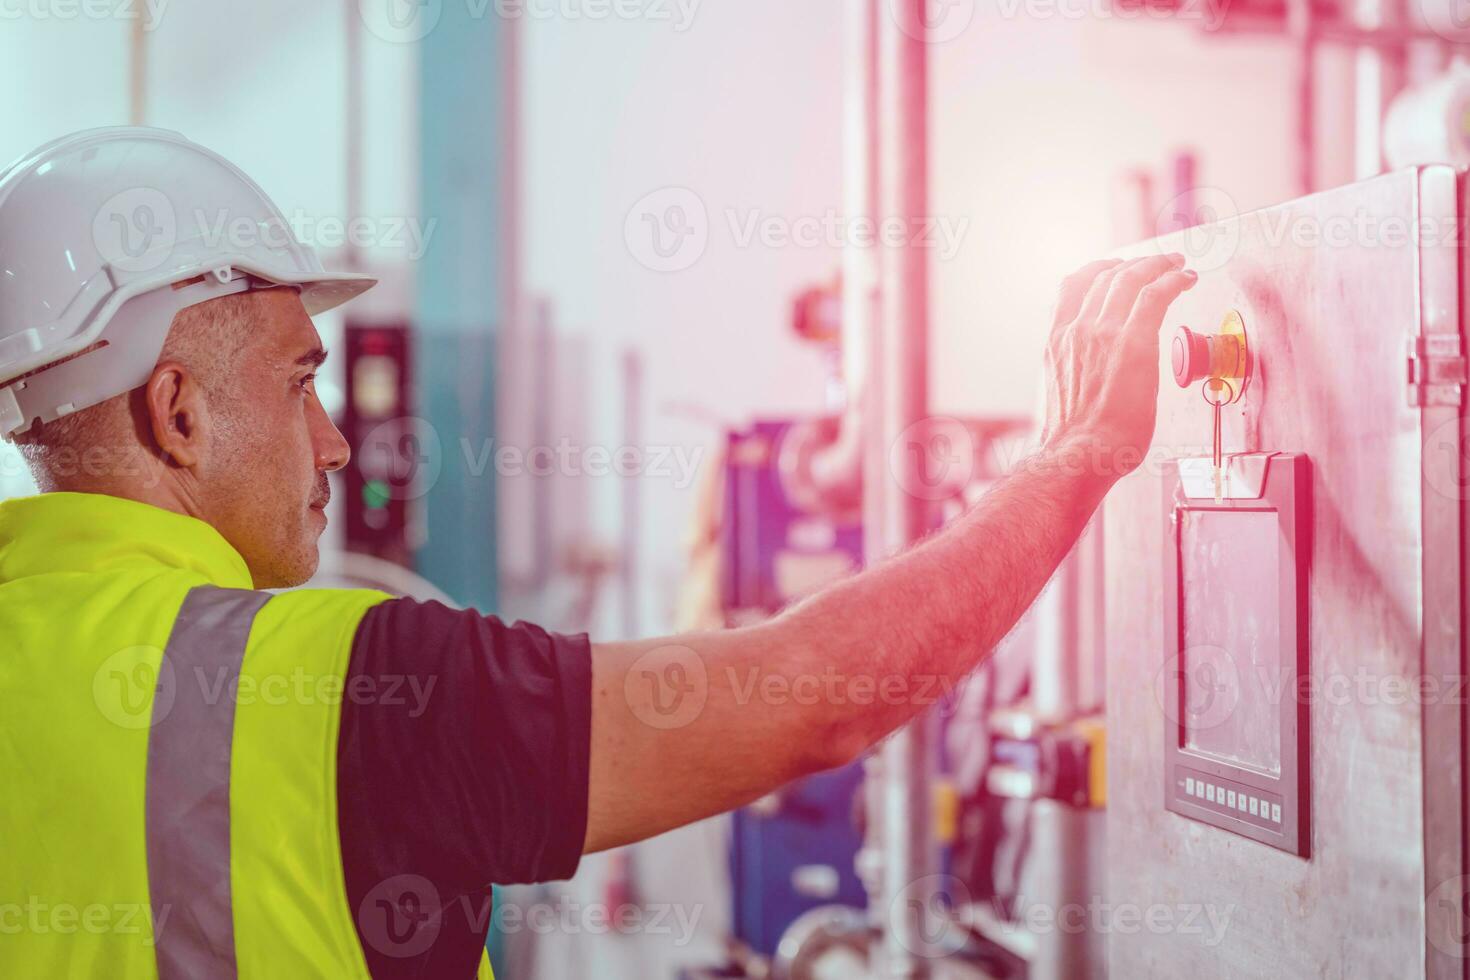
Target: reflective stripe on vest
x,y
187,799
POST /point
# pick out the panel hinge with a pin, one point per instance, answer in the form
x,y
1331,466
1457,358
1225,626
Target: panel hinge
x,y
1437,370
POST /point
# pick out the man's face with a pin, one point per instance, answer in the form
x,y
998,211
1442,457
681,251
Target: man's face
x,y
271,446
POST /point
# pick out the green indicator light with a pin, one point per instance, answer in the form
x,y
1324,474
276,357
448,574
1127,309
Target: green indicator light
x,y
375,494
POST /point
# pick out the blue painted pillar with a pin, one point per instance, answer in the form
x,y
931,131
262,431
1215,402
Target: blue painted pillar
x,y
465,128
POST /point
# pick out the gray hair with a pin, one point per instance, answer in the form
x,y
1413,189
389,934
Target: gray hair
x,y
207,338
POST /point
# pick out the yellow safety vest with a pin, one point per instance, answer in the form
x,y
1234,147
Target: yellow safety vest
x,y
168,752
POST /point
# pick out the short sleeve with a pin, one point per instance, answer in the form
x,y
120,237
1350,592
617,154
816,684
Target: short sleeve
x,y
462,759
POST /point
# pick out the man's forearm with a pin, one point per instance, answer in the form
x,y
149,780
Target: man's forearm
x,y
689,726
917,623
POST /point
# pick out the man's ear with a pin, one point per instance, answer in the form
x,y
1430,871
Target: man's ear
x,y
177,415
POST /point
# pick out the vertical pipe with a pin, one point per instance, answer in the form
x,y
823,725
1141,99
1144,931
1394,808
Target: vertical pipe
x,y
512,306
1300,27
138,72
1055,669
860,186
632,509
352,254
1378,76
859,309
466,143
542,397
899,369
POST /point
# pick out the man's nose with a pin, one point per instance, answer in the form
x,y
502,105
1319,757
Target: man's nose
x,y
331,447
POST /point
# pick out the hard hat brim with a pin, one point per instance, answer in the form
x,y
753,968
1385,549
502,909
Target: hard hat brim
x,y
319,294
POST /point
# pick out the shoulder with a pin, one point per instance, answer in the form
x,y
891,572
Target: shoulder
x,y
322,615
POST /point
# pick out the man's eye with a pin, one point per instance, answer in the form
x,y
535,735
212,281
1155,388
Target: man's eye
x,y
306,381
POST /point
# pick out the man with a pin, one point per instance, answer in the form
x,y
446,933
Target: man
x,y
221,781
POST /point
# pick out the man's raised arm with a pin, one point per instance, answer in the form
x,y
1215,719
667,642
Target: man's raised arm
x,y
690,726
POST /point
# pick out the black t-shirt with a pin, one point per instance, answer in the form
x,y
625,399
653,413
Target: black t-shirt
x,y
462,761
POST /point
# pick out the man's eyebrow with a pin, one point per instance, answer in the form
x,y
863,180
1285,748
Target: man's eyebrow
x,y
313,357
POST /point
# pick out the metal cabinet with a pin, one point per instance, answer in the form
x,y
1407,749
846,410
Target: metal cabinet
x,y
1353,304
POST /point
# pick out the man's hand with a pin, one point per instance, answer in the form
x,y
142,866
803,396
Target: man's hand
x,y
691,726
1103,355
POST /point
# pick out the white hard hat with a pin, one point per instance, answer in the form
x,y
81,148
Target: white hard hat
x,y
106,234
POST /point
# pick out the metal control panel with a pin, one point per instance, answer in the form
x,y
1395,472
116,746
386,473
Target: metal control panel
x,y
1236,647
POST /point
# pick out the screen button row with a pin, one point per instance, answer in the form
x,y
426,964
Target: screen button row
x,y
1231,799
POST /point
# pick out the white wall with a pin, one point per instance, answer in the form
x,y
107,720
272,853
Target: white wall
x,y
1033,120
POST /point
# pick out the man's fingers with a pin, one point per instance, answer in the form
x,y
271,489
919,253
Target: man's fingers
x,y
1147,315
1092,303
1126,286
1074,289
